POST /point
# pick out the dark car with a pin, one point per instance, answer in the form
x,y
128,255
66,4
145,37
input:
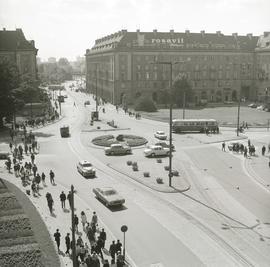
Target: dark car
x,y
4,155
164,144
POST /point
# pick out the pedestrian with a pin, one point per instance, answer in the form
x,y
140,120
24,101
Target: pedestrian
x,y
33,187
89,261
83,219
106,263
94,218
26,148
90,235
223,146
57,236
50,202
43,176
63,200
76,222
34,168
112,250
30,149
79,241
69,197
118,246
67,240
52,177
263,150
99,247
32,158
37,180
103,237
10,146
95,259
249,143
8,164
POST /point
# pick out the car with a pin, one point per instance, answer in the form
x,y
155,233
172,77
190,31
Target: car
x,y
4,154
109,196
160,135
252,105
87,102
86,168
117,149
153,151
261,107
235,146
164,144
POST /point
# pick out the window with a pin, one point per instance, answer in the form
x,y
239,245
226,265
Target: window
x,y
147,75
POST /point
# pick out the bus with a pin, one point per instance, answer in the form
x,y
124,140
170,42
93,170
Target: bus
x,y
194,125
56,87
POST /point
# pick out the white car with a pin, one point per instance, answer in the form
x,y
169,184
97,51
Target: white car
x,y
118,149
109,196
86,169
160,135
153,151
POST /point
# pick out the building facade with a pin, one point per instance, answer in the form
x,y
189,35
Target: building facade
x,y
220,68
16,49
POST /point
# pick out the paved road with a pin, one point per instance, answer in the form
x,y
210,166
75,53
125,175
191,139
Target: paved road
x,y
214,223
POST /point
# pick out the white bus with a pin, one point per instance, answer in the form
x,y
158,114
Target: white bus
x,y
194,125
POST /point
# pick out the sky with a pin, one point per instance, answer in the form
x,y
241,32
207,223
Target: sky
x,y
66,28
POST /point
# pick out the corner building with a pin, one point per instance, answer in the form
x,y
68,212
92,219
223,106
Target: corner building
x,y
218,67
15,49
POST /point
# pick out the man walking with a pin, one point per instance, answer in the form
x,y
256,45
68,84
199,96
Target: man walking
x,y
103,237
32,158
76,222
112,250
34,168
43,178
67,239
63,200
50,202
223,146
52,177
57,236
263,150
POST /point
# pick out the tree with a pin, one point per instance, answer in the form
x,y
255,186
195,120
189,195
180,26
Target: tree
x,y
180,87
145,104
9,81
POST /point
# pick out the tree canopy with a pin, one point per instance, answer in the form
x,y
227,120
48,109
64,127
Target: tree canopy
x,y
181,86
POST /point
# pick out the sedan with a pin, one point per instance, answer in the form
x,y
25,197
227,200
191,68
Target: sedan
x,y
153,151
118,149
164,144
86,169
109,196
4,155
160,135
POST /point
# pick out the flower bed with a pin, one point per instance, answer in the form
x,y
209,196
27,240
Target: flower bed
x,y
131,140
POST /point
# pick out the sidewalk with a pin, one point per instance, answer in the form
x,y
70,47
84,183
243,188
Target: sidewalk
x,y
61,218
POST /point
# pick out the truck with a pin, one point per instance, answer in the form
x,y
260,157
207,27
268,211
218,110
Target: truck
x,y
64,131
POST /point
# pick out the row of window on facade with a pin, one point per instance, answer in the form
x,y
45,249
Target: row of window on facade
x,y
228,58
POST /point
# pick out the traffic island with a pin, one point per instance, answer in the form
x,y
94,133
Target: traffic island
x,y
158,178
109,139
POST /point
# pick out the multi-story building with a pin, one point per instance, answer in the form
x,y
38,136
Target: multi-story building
x,y
218,67
16,49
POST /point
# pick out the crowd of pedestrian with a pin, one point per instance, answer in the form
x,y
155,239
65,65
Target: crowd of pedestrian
x,y
25,167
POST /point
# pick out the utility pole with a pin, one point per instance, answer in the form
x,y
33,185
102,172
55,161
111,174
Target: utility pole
x,y
184,104
238,115
74,260
96,90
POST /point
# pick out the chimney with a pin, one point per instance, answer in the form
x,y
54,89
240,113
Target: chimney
x,y
218,33
155,31
187,32
32,42
138,30
171,31
4,29
202,33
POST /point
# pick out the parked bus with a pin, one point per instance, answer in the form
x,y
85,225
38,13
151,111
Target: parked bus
x,y
194,125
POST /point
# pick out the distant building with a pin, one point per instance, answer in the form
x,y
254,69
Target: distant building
x,y
219,67
16,49
39,61
51,60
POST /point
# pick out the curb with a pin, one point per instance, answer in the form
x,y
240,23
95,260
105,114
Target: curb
x,y
153,187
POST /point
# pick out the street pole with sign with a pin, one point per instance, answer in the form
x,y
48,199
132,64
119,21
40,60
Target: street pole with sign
x,y
124,228
74,260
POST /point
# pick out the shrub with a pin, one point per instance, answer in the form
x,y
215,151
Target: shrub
x,y
146,174
135,168
134,164
159,180
145,104
120,137
129,162
166,168
175,173
159,160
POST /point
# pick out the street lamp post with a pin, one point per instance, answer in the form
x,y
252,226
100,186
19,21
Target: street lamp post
x,y
184,104
170,64
73,248
124,228
238,116
96,90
